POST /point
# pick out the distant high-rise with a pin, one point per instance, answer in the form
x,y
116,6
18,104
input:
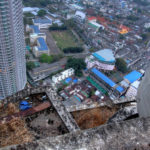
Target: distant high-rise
x,y
12,48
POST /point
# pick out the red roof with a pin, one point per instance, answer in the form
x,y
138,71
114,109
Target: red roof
x,y
92,18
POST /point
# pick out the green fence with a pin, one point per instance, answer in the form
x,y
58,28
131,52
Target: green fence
x,y
96,85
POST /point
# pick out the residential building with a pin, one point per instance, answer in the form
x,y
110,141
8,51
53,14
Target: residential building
x,y
102,59
106,83
42,47
42,23
63,75
12,48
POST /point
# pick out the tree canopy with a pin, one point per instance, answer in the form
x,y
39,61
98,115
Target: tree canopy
x,y
30,65
73,50
41,13
44,58
121,65
36,3
77,64
132,18
55,27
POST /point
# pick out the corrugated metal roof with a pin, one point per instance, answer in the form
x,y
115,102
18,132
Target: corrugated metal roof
x,y
43,21
105,55
103,77
133,76
120,89
35,28
43,45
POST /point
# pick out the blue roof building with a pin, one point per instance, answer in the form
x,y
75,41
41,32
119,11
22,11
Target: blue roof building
x,y
43,46
133,76
35,29
103,77
120,89
105,55
108,81
42,21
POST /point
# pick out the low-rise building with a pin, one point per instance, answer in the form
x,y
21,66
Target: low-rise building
x,y
42,47
132,91
63,75
34,33
106,82
80,15
102,59
33,10
42,23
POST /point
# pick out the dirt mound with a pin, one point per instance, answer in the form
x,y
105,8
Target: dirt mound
x,y
14,132
94,117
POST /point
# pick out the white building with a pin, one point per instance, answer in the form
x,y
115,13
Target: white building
x,y
80,15
132,91
147,25
63,75
33,10
103,59
42,23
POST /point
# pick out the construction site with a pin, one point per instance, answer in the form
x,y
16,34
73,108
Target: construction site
x,y
91,118
22,126
30,116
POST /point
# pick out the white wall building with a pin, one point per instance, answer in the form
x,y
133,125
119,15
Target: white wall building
x,y
80,15
103,59
132,91
63,75
33,10
42,23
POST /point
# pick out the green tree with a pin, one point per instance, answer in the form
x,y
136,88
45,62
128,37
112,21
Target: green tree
x,y
144,36
77,64
70,23
27,56
121,37
41,13
44,58
30,65
121,65
73,50
27,40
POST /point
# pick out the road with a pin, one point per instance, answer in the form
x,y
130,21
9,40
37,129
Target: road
x,y
49,68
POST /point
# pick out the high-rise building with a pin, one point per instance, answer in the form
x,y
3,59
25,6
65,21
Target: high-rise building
x,y
12,48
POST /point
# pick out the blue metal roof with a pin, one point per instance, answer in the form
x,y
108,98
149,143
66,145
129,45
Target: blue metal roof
x,y
103,77
105,55
120,89
43,45
133,76
35,28
43,21
68,80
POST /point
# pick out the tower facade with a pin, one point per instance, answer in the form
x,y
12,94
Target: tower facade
x,y
12,48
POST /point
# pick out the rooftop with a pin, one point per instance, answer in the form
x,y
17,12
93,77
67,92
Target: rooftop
x,y
103,77
133,76
43,45
105,55
42,21
35,28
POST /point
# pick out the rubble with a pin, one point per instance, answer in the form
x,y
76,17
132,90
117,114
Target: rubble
x,y
14,132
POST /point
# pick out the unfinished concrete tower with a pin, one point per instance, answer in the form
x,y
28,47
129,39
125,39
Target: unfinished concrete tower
x,y
12,48
143,96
